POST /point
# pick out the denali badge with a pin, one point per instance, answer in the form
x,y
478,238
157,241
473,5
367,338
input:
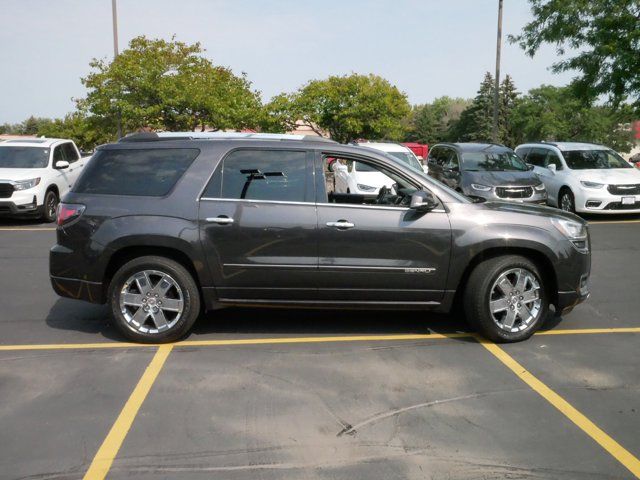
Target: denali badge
x,y
419,270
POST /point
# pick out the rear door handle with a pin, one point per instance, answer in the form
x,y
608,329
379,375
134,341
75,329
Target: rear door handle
x,y
221,220
341,224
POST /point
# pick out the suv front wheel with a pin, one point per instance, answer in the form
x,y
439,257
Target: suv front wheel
x,y
505,298
154,300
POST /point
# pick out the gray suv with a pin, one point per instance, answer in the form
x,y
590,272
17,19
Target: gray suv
x,y
488,171
163,227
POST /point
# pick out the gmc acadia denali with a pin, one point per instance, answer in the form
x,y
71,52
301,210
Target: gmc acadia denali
x,y
163,226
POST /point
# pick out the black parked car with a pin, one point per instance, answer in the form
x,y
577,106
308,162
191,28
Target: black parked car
x,y
162,227
489,171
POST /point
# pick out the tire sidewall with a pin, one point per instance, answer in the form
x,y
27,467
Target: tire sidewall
x,y
183,278
568,193
485,319
45,210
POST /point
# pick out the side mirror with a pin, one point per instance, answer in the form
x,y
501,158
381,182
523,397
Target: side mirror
x,y
552,167
61,165
423,201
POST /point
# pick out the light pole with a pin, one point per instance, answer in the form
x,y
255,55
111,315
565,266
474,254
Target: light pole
x,y
496,93
114,12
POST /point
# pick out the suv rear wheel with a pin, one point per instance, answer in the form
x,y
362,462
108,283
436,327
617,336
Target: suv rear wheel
x,y
505,298
154,300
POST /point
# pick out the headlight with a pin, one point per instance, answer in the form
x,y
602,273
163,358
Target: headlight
x,y
26,184
569,228
592,184
482,188
366,188
540,187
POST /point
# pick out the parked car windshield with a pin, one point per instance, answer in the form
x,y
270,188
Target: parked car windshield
x,y
594,159
24,157
407,158
492,162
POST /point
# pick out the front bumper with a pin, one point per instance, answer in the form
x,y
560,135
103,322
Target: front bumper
x,y
600,201
567,300
20,207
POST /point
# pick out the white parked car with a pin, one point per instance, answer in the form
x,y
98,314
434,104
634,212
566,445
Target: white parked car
x,y
583,177
360,179
35,173
398,151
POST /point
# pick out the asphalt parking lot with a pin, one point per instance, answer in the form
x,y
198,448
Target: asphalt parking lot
x,y
275,394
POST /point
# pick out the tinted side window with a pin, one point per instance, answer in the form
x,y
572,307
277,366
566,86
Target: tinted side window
x,y
537,156
279,175
552,158
148,172
433,154
57,154
523,152
70,154
452,160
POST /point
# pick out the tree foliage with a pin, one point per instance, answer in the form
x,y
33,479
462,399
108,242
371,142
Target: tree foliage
x,y
168,85
86,132
432,122
347,107
603,37
554,113
476,122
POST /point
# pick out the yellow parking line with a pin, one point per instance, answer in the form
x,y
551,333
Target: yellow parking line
x,y
109,449
291,340
613,221
587,426
583,331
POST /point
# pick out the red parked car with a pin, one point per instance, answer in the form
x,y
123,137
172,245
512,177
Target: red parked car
x,y
420,149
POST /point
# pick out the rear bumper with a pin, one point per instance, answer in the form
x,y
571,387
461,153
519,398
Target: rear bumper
x,y
78,289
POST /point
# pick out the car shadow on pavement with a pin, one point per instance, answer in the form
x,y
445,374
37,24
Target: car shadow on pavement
x,y
83,317
87,318
305,322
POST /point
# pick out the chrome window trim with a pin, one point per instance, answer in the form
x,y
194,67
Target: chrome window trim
x,y
282,202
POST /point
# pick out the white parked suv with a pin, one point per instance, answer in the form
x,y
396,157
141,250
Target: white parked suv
x,y
358,178
583,177
398,151
35,173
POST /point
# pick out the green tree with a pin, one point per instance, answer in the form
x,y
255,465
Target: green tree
x,y
508,101
432,122
555,113
32,125
347,107
603,37
476,122
86,132
168,85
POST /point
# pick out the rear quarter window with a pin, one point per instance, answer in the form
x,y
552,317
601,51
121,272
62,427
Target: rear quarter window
x,y
148,172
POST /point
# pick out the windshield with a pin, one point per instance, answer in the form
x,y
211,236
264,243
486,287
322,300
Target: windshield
x,y
492,162
407,158
23,157
594,159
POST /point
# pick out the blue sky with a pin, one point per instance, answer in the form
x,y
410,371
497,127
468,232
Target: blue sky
x,y
427,48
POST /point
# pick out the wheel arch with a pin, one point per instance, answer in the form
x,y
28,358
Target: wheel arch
x,y
541,261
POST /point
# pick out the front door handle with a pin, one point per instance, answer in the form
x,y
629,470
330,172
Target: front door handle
x,y
221,220
341,224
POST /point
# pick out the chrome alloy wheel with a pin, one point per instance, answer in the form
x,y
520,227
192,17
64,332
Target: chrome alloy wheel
x,y
565,203
151,302
51,206
514,301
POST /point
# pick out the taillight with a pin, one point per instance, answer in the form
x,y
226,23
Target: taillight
x,y
67,212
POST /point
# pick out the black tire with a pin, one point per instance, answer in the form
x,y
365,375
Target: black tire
x,y
188,290
50,207
566,201
478,294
